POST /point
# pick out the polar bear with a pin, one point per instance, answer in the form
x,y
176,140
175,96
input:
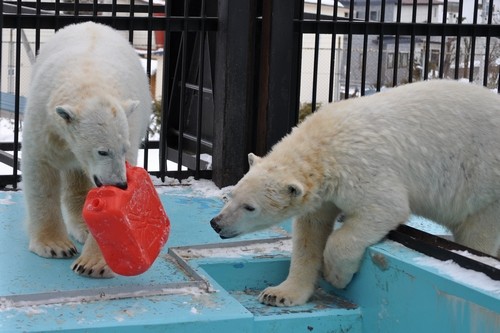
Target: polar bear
x,y
430,148
88,109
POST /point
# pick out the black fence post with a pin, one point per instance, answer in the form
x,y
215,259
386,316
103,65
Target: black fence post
x,y
280,59
233,84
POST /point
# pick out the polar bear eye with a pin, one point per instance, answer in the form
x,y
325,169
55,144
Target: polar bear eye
x,y
249,208
103,152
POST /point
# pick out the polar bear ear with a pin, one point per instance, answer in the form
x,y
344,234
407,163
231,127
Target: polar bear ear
x,y
129,106
66,113
295,189
253,159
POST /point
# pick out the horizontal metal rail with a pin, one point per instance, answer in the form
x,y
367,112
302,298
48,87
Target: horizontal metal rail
x,y
174,24
442,249
399,28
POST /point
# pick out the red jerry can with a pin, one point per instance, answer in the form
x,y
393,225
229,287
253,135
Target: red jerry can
x,y
130,226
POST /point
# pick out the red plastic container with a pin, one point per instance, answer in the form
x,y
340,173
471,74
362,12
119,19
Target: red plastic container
x,y
129,225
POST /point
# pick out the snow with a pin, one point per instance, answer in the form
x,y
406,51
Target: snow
x,y
197,188
462,275
6,200
7,130
485,260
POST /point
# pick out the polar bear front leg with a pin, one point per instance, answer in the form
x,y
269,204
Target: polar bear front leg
x,y
48,236
91,263
76,186
310,233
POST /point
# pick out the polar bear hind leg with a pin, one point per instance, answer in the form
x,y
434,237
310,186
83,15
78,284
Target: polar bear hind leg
x,y
481,231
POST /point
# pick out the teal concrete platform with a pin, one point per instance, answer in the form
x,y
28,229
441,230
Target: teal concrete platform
x,y
203,284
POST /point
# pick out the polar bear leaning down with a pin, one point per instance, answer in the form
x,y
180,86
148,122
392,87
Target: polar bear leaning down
x,y
429,148
88,109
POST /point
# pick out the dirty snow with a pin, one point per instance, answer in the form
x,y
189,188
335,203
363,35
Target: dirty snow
x,y
272,247
36,306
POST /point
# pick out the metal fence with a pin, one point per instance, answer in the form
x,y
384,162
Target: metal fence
x,y
174,40
230,77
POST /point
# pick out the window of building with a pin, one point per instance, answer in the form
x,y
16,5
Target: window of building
x,y
390,60
403,59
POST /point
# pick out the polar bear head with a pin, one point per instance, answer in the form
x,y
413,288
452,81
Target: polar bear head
x,y
265,196
97,133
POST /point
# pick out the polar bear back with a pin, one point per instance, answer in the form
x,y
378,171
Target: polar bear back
x,y
438,141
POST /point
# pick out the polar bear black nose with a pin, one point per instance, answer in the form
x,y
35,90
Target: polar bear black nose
x,y
97,182
122,186
215,226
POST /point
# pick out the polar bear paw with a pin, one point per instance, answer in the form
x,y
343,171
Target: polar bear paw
x,y
92,267
285,295
53,248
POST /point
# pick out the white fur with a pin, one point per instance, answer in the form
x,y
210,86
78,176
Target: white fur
x,y
88,109
429,148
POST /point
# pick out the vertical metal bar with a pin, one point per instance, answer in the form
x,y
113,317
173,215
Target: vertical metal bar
x,y
130,26
498,79
76,8
381,44
457,50
349,51
396,50
316,56
15,153
487,49
94,9
165,97
37,25
443,41
412,40
57,14
473,43
113,11
201,70
331,85
182,105
428,42
148,73
365,49
296,59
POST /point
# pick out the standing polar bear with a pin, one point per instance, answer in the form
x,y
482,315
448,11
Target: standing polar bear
x,y
88,109
429,148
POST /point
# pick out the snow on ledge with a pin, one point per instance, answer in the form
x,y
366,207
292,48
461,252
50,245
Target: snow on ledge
x,y
462,275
